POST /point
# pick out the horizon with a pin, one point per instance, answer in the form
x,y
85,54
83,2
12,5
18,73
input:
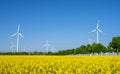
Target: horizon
x,y
65,24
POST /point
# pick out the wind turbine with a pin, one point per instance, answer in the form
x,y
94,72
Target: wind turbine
x,y
24,49
18,34
97,30
47,46
89,39
53,49
12,47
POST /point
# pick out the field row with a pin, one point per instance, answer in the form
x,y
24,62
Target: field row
x,y
59,64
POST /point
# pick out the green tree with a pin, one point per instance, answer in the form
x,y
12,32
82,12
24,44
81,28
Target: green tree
x,y
88,48
77,50
115,44
97,48
83,49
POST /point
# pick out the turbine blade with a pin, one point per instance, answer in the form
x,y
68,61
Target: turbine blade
x,y
94,30
98,24
18,28
21,35
100,31
13,34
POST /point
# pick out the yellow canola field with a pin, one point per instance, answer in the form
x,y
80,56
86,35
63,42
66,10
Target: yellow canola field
x,y
59,64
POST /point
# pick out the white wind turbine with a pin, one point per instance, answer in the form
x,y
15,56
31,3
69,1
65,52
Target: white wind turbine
x,y
24,49
97,30
47,45
12,47
53,49
18,34
89,39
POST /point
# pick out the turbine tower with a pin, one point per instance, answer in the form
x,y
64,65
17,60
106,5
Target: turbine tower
x,y
47,46
97,30
18,34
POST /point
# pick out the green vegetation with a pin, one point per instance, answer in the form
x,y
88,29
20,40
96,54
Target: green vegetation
x,y
113,46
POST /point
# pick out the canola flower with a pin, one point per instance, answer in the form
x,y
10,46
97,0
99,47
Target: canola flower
x,y
59,64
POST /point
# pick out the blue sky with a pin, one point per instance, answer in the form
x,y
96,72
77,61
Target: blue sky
x,y
64,23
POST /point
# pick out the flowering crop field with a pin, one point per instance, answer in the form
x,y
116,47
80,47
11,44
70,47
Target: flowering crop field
x,y
59,64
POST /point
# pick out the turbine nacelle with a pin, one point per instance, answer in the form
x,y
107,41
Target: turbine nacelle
x,y
17,33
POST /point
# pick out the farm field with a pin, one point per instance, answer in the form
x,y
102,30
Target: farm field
x,y
59,64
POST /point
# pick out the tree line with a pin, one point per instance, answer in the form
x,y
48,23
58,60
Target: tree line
x,y
113,46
